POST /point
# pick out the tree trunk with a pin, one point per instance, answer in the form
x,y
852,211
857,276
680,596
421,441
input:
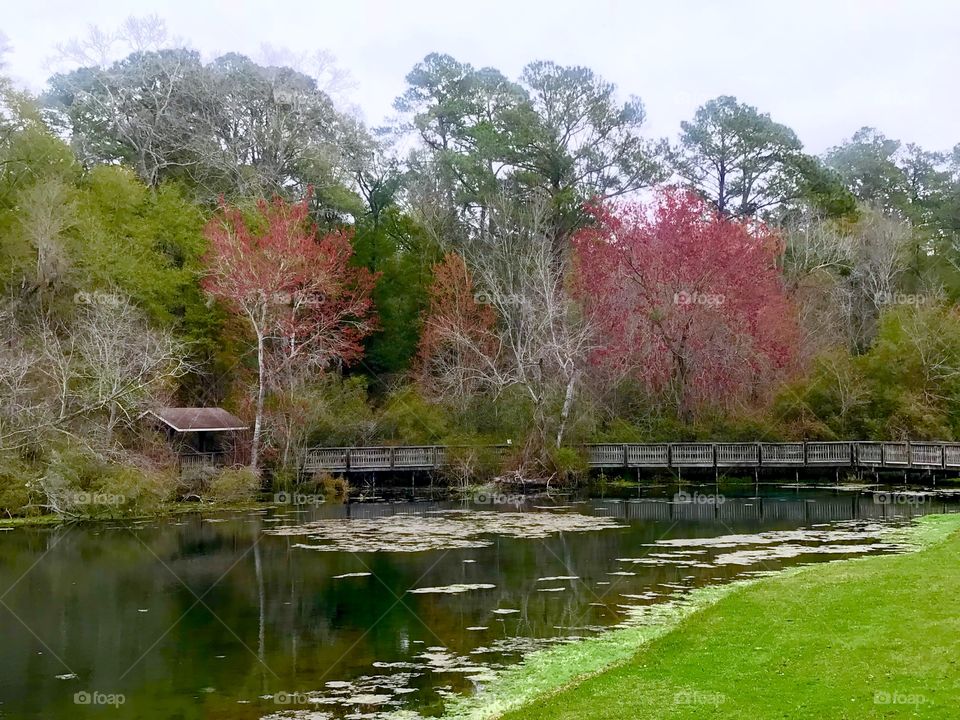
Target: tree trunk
x,y
258,420
567,405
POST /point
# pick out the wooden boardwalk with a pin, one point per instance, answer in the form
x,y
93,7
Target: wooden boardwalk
x,y
924,456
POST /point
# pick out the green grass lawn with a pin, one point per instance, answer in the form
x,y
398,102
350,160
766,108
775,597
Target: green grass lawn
x,y
874,637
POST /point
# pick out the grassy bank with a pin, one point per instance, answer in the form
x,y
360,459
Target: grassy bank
x,y
866,638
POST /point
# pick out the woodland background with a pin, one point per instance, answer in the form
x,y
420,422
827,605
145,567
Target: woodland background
x,y
513,259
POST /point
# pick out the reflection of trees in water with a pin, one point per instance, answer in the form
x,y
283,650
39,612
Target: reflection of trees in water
x,y
294,620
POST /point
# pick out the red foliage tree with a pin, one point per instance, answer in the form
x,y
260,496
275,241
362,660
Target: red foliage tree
x,y
306,306
691,304
457,342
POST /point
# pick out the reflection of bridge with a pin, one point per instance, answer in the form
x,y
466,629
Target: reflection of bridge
x,y
696,507
916,456
844,506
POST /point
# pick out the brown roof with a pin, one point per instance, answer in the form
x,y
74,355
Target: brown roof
x,y
199,419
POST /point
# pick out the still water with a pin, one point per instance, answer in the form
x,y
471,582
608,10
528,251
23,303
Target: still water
x,y
362,610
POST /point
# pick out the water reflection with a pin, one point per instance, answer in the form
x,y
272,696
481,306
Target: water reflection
x,y
237,617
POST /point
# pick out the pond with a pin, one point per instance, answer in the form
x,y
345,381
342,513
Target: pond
x,y
363,610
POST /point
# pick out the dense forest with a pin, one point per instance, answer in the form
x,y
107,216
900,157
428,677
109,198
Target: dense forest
x,y
511,259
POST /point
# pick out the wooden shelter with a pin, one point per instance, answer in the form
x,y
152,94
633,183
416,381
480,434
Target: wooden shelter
x,y
202,436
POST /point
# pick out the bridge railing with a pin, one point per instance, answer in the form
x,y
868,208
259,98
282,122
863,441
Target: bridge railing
x,y
870,454
692,455
834,454
648,455
775,454
926,455
738,454
865,454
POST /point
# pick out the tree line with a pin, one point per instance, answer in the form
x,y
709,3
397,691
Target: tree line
x,y
509,259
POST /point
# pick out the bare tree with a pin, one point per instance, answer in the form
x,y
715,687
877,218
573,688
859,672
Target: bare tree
x,y
321,65
541,337
19,404
99,47
844,277
124,366
90,378
46,211
818,254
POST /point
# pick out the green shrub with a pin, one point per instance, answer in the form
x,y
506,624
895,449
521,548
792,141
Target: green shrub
x,y
334,488
78,483
132,490
471,460
16,498
283,479
569,463
408,419
238,484
194,482
337,412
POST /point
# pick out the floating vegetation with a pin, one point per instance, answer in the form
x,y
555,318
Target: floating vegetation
x,y
849,532
383,692
558,577
440,530
780,552
442,660
368,699
515,646
298,715
452,589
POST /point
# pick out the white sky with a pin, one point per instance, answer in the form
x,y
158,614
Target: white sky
x,y
823,67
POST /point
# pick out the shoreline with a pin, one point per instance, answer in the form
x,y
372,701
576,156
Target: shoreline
x,y
175,510
547,673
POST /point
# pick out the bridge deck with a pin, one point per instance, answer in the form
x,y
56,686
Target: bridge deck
x,y
858,454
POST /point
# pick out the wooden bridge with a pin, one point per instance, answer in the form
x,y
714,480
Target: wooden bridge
x,y
924,456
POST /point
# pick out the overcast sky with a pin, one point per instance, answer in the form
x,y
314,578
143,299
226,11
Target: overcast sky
x,y
823,67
